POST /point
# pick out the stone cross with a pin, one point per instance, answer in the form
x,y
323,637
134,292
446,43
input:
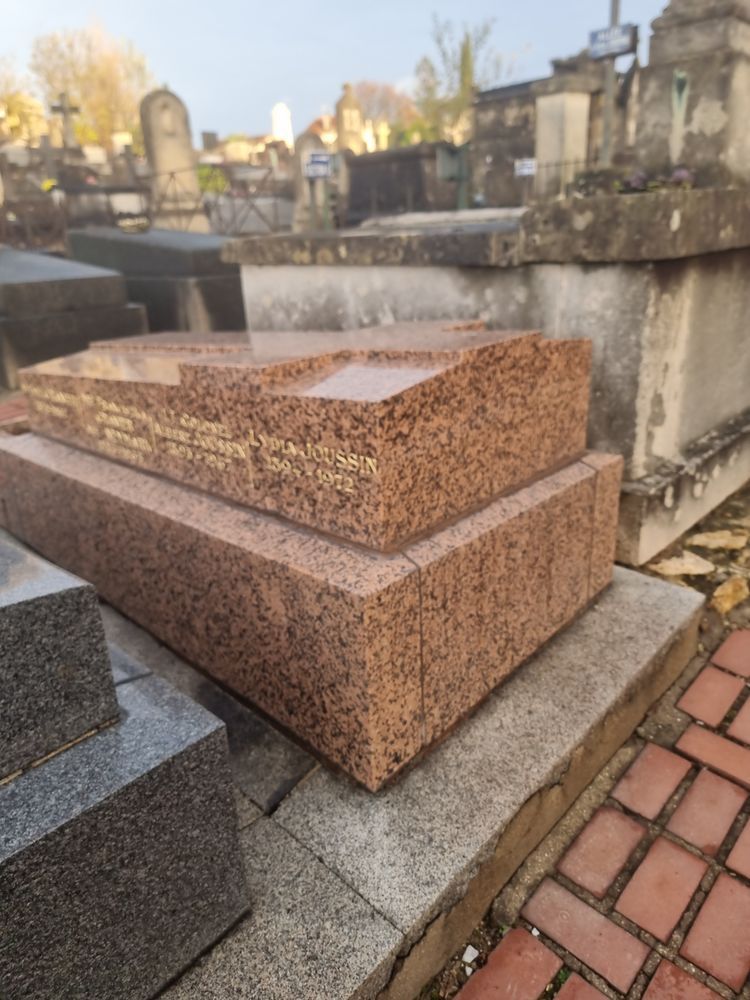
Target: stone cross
x,y
66,110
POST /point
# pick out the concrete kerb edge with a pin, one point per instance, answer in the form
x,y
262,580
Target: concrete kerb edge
x,y
423,957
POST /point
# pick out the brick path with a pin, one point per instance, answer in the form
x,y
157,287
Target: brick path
x,y
651,898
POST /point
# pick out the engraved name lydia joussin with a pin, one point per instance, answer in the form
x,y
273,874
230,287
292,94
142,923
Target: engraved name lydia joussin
x,y
350,461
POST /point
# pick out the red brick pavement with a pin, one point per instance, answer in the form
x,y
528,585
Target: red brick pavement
x,y
652,898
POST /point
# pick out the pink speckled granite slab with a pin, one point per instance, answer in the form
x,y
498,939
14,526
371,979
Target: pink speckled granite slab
x,y
377,436
368,657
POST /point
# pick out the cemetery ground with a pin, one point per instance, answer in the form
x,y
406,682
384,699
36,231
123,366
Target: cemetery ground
x,y
642,890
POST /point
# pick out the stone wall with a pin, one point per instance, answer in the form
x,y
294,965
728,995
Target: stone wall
x,y
656,281
504,131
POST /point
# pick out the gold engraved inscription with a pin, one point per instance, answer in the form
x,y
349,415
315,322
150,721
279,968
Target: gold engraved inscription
x,y
134,435
329,466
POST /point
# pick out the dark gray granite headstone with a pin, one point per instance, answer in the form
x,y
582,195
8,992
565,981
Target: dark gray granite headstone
x,y
178,276
158,252
28,340
35,283
200,304
55,679
119,859
50,306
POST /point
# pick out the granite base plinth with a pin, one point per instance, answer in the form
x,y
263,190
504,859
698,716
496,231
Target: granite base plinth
x,y
368,657
119,859
54,665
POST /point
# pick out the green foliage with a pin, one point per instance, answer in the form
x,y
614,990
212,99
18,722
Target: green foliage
x,y
212,179
465,60
105,76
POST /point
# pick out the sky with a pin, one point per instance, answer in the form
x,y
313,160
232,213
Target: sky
x,y
231,60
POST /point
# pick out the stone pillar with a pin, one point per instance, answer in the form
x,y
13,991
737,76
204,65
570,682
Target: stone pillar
x,y
309,195
562,135
177,202
695,91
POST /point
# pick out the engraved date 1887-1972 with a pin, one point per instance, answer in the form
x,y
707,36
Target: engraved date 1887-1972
x,y
331,467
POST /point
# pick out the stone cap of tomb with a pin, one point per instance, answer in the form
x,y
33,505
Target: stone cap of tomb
x,y
660,225
689,29
376,436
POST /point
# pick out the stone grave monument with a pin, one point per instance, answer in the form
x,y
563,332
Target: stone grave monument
x,y
50,306
695,91
179,277
119,859
361,533
177,202
309,193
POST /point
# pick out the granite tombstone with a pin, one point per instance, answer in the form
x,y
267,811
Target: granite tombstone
x,y
177,202
106,886
178,276
50,306
363,534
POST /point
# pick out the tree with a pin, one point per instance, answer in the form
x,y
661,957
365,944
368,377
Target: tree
x,y
383,102
21,115
466,60
104,76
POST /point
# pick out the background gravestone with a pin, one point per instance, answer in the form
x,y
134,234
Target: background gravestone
x,y
50,307
309,196
177,200
179,277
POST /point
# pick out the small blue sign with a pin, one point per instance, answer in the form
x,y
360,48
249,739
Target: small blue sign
x,y
318,165
607,43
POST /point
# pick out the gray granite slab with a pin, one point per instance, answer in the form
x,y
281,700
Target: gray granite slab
x,y
35,283
158,252
124,667
411,850
54,663
119,860
308,936
265,763
247,811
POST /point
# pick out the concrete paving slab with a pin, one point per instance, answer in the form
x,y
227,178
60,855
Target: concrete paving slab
x,y
412,850
124,667
308,936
